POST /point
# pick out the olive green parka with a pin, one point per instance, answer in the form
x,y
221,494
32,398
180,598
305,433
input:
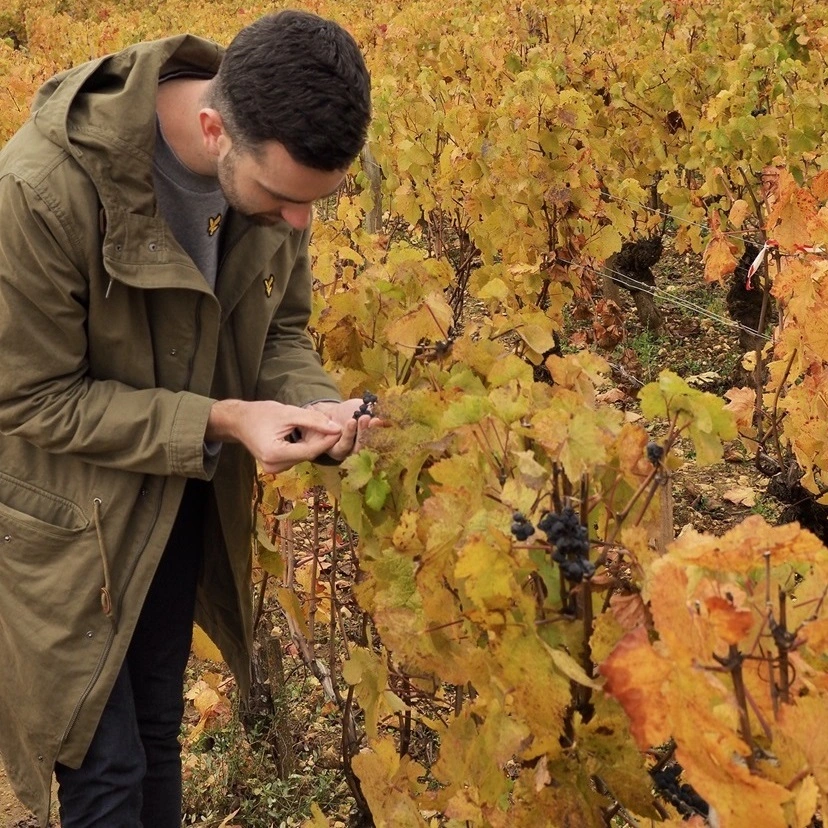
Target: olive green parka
x,y
112,351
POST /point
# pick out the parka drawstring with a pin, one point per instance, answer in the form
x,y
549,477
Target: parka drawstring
x,y
106,593
102,228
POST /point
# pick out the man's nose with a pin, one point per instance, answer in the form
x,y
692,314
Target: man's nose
x,y
297,215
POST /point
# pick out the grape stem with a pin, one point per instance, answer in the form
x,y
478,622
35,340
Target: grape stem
x,y
732,663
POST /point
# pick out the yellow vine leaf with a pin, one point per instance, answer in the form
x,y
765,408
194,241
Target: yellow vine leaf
x,y
203,646
485,573
739,211
701,413
742,549
568,799
571,669
802,729
573,434
368,672
580,372
602,244
474,780
293,608
732,789
317,818
815,635
507,368
819,185
806,804
791,216
391,785
429,322
616,761
719,259
606,633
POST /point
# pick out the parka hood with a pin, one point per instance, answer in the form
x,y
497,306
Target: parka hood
x,y
80,109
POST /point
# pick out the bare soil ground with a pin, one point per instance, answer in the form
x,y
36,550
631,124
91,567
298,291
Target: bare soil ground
x,y
12,813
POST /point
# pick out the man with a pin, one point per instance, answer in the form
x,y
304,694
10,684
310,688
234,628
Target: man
x,y
154,293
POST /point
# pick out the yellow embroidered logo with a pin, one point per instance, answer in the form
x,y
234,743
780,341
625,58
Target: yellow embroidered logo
x,y
268,283
213,224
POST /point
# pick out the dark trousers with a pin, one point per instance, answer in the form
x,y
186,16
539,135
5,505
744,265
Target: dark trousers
x,y
131,776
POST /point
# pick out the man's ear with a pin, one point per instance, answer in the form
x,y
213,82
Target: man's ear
x,y
213,133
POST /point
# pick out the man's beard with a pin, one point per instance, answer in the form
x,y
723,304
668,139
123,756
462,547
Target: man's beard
x,y
227,181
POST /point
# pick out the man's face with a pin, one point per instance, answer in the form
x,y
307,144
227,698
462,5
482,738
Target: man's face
x,y
269,186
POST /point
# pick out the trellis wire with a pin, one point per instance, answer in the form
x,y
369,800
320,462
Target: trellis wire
x,y
634,284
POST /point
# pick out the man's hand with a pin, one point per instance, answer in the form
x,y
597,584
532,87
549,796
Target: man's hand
x,y
354,431
264,427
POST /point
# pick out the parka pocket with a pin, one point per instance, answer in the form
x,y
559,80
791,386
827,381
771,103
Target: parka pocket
x,y
39,511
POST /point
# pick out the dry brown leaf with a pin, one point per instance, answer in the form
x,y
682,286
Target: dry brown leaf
x,y
614,395
542,776
732,455
743,406
629,610
741,496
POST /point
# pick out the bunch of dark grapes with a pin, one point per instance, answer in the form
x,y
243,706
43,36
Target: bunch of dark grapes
x,y
570,541
369,400
682,796
522,529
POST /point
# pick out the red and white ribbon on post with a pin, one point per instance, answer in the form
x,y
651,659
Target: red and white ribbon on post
x,y
757,262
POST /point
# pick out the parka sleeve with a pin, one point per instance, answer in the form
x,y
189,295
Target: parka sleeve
x,y
47,396
291,371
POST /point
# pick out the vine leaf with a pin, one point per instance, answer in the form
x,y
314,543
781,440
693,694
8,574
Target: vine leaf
x,y
792,215
701,413
739,211
368,672
474,779
391,784
719,259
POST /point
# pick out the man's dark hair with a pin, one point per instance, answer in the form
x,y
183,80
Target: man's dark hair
x,y
300,80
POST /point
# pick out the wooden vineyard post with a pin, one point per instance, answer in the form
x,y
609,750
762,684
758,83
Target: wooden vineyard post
x,y
373,171
665,524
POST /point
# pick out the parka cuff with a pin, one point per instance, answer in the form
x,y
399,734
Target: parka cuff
x,y
187,455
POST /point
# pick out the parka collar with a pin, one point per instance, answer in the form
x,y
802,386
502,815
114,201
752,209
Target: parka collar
x,y
101,113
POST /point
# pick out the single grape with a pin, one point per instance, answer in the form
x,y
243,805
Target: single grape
x,y
655,453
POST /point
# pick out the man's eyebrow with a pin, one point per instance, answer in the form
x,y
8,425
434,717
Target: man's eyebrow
x,y
291,200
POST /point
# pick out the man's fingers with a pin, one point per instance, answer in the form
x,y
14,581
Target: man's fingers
x,y
307,418
311,445
345,445
364,426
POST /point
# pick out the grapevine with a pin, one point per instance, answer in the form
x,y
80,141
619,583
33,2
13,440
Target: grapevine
x,y
520,611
